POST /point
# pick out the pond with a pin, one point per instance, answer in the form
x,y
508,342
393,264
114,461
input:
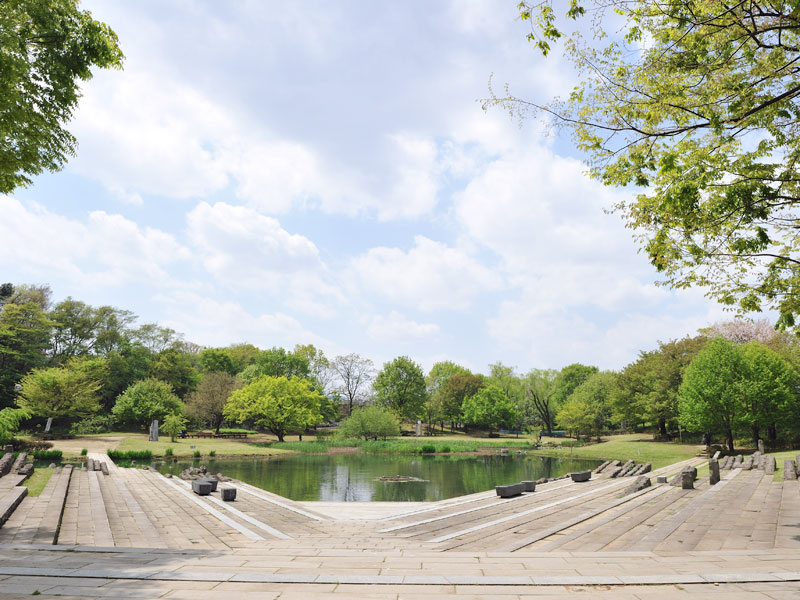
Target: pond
x,y
355,477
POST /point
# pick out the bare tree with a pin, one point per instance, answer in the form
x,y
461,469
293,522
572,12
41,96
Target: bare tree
x,y
355,376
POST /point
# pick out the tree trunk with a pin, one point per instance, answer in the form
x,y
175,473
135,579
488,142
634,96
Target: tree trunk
x,y
756,434
772,433
662,427
729,437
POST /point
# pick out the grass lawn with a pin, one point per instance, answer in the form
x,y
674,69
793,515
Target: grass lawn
x,y
637,446
779,458
36,482
222,447
406,445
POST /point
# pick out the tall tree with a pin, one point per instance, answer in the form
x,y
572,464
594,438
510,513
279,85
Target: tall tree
x,y
177,369
278,404
319,367
24,338
540,393
217,360
145,401
58,392
491,408
207,402
400,386
454,392
355,375
696,103
48,48
569,378
277,362
587,410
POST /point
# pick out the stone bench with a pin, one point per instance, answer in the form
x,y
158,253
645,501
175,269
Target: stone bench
x,y
581,476
530,486
211,481
228,494
510,490
201,487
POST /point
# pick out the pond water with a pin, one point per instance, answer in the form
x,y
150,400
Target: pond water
x,y
355,477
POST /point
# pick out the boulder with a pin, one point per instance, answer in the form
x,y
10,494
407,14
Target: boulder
x,y
687,480
20,460
789,470
5,463
747,463
713,472
769,465
737,464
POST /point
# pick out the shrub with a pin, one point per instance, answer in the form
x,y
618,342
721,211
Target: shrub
x,y
141,455
370,422
212,453
428,449
168,452
444,449
196,454
84,451
47,455
95,424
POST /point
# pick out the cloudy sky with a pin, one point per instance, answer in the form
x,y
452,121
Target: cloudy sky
x,y
322,172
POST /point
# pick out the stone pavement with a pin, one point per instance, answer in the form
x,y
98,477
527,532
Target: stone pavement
x,y
135,533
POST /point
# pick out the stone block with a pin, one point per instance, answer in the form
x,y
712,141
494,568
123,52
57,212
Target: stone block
x,y
639,484
599,468
611,466
737,463
211,481
661,479
747,463
581,476
716,455
90,464
201,488
789,470
530,486
19,462
228,494
687,481
761,446
769,465
5,463
104,467
510,490
713,472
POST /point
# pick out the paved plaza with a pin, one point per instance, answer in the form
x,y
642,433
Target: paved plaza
x,y
135,533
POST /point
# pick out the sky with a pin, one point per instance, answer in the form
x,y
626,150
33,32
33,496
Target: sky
x,y
285,173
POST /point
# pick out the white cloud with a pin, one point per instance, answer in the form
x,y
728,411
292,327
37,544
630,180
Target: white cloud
x,y
106,249
395,328
413,192
430,276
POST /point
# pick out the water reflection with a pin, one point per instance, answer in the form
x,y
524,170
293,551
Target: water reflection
x,y
354,477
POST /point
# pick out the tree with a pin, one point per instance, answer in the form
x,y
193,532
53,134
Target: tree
x,y
587,410
217,360
242,355
58,392
697,104
540,392
145,401
174,423
370,423
10,418
646,391
454,392
400,386
176,368
80,330
440,374
355,375
568,379
711,396
207,402
24,338
277,404
48,48
489,408
319,367
277,362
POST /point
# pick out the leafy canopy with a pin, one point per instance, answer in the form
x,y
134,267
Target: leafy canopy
x,y
400,386
58,392
370,422
145,401
695,102
47,47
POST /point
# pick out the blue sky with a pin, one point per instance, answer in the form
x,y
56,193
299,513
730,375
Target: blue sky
x,y
322,172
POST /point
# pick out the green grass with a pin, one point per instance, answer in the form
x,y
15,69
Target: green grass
x,y
638,447
779,458
36,482
183,448
404,445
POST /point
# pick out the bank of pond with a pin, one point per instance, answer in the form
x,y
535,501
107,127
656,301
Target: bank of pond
x,y
357,477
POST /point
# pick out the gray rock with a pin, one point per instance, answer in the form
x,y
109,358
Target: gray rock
x,y
581,476
19,462
201,488
687,481
639,484
613,472
610,466
5,463
542,480
761,446
213,482
599,468
737,464
716,455
228,494
90,464
789,470
713,472
530,486
625,468
104,467
51,466
168,475
508,491
769,465
661,479
747,463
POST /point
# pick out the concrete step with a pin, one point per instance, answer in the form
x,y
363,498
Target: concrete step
x,y
10,501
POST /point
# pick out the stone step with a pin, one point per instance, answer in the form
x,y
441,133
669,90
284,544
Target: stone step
x,y
10,501
47,532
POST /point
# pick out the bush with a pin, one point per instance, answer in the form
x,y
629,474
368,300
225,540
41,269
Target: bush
x,y
428,449
141,455
196,454
168,452
370,422
444,449
53,455
95,424
84,451
212,453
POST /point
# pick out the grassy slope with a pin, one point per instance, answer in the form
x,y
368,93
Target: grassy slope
x,y
638,447
136,441
36,482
